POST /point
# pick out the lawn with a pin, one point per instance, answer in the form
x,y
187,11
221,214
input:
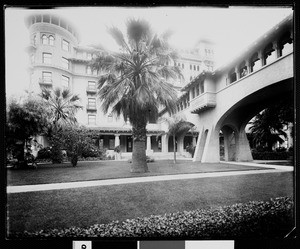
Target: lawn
x,y
84,171
83,207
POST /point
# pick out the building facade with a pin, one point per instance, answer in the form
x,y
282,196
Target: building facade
x,y
58,60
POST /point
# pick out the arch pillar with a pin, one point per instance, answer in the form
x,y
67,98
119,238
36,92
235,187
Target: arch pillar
x,y
243,151
207,148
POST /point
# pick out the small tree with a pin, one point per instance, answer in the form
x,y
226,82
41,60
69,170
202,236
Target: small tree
x,y
63,106
24,121
177,127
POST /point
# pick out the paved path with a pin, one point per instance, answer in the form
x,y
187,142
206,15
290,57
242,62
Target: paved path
x,y
107,182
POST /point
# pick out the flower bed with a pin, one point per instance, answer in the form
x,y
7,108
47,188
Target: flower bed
x,y
273,218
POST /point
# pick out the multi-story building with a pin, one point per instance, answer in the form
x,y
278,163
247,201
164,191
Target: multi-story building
x,y
58,60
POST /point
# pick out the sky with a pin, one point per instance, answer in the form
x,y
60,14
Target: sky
x,y
231,29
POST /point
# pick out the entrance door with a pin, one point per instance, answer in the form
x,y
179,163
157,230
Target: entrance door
x,y
129,144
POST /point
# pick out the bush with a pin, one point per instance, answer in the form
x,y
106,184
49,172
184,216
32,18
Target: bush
x,y
44,153
272,218
148,160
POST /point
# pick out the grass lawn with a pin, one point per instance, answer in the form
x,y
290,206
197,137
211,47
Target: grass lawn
x,y
82,207
84,171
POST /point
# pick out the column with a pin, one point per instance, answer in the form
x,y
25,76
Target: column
x,y
148,148
237,73
148,142
277,49
180,148
194,141
248,65
117,140
261,58
164,143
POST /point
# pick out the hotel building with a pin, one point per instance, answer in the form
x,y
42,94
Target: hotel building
x,y
58,60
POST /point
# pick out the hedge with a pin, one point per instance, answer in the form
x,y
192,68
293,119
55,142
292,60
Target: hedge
x,y
273,218
271,155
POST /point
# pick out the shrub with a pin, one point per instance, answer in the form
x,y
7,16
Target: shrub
x,y
191,150
272,218
44,153
148,160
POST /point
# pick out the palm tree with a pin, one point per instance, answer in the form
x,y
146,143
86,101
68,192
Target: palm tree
x,y
267,128
62,105
135,81
177,127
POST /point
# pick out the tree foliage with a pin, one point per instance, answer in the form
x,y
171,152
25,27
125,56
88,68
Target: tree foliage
x,y
24,121
177,127
76,141
135,81
267,128
62,105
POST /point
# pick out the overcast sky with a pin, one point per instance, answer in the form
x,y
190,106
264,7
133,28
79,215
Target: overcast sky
x,y
231,29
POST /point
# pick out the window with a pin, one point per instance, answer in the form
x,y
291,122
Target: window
x,y
182,65
47,77
47,58
92,103
65,45
92,85
44,39
197,68
202,87
95,72
191,67
65,63
89,56
91,119
51,40
65,81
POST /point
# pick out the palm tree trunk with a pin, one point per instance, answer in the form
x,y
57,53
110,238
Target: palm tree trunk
x,y
139,163
174,145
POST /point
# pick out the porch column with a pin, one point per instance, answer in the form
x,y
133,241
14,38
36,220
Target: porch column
x,y
148,149
117,140
164,143
194,141
180,144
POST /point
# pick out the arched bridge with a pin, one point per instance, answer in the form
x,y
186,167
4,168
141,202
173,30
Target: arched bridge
x,y
225,100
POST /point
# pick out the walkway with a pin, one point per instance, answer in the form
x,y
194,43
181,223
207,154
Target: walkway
x,y
83,184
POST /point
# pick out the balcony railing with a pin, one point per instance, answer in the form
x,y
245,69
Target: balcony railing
x,y
45,82
91,90
203,102
91,108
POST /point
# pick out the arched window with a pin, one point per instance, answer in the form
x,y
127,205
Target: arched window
x,y
44,39
51,40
